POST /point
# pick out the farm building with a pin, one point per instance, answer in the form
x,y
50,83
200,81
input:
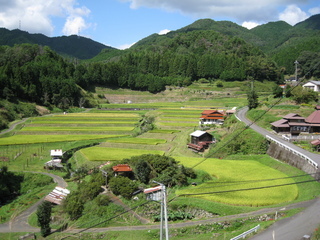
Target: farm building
x,y
212,117
122,169
154,193
56,158
200,140
57,195
295,124
312,85
56,154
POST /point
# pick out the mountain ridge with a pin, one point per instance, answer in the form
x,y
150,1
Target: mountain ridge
x,y
72,46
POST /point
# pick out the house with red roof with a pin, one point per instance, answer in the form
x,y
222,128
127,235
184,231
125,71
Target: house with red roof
x,y
295,124
122,169
212,117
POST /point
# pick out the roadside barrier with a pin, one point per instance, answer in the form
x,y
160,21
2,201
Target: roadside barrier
x,y
310,161
243,235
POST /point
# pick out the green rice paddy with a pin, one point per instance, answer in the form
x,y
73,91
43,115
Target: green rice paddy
x,y
74,129
114,154
242,183
146,141
30,139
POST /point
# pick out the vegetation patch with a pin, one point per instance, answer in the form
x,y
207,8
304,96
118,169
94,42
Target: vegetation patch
x,y
112,154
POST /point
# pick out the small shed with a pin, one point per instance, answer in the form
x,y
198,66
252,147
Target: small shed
x,y
316,144
56,154
200,140
154,193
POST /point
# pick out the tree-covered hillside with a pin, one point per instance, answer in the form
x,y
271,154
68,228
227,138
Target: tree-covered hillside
x,y
71,46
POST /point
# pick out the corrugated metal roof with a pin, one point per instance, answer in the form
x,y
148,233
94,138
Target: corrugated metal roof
x,y
198,133
56,152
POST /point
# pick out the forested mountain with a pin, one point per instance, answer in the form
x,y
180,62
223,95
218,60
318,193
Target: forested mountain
x,y
205,49
72,46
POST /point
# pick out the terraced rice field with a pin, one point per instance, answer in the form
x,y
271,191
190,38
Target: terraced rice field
x,y
114,154
242,183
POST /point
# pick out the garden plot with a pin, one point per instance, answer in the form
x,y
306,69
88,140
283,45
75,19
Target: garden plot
x,y
242,183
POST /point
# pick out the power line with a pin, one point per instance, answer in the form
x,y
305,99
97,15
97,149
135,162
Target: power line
x,y
231,183
254,121
244,189
85,229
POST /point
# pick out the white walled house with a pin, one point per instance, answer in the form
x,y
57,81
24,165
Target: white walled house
x,y
312,85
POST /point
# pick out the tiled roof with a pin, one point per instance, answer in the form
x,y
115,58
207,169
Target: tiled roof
x,y
280,123
314,117
316,142
122,168
292,116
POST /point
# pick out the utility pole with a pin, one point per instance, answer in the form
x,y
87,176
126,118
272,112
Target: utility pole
x,y
296,70
163,204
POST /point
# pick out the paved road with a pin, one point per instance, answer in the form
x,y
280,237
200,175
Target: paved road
x,y
13,126
287,229
20,223
295,227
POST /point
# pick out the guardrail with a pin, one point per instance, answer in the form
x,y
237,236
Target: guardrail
x,y
243,235
310,161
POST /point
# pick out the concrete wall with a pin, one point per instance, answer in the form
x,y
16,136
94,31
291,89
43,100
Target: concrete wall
x,y
289,157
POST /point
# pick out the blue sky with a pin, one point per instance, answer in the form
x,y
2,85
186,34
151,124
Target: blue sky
x,y
120,23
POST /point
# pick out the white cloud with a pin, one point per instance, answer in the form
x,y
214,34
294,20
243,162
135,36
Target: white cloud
x,y
164,32
125,46
292,15
314,11
240,10
35,16
75,21
249,24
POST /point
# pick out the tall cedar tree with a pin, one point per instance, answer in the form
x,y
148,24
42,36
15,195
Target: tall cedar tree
x,y
44,215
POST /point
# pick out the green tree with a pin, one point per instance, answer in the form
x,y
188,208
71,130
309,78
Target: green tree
x,y
277,91
123,186
252,98
287,91
303,95
74,205
142,171
44,214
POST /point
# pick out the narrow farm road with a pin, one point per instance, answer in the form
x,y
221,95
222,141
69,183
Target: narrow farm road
x,y
13,126
295,227
20,223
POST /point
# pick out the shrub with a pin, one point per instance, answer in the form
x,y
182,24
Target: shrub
x,y
102,200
